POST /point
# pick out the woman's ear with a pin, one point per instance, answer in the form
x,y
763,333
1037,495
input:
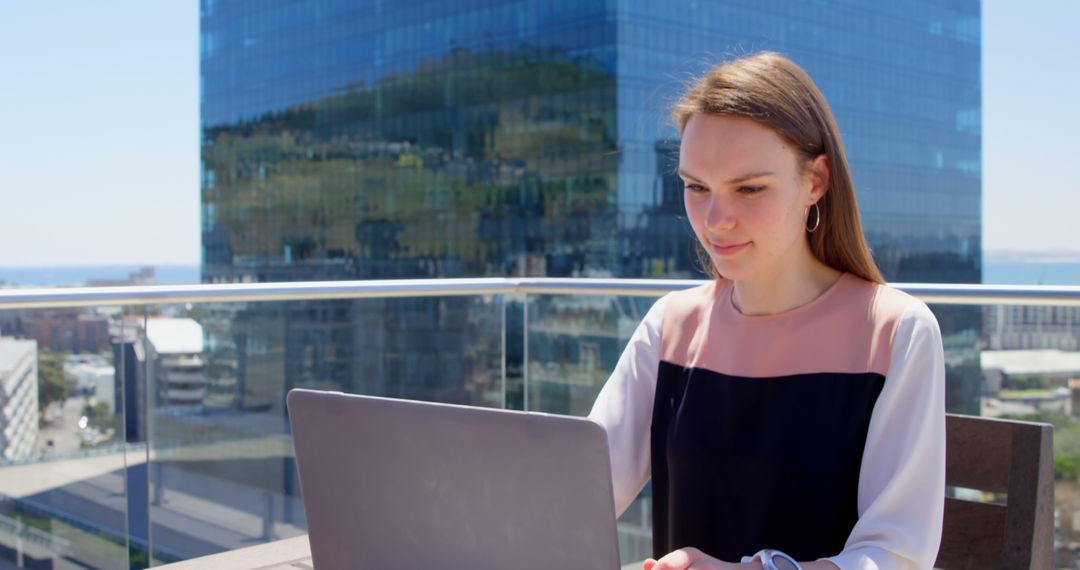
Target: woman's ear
x,y
818,172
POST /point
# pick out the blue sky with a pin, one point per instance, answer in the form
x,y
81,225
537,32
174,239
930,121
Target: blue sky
x,y
99,123
99,158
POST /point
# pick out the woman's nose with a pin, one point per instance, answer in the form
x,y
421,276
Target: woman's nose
x,y
720,215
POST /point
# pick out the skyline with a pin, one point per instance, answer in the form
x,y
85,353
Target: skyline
x,y
131,123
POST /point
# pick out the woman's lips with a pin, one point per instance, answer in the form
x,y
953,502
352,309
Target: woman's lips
x,y
728,249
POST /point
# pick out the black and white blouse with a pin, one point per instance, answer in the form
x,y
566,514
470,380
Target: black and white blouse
x,y
819,431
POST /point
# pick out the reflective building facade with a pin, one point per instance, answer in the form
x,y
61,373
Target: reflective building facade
x,y
364,139
380,140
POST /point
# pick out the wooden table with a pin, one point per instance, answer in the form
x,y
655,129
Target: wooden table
x,y
288,554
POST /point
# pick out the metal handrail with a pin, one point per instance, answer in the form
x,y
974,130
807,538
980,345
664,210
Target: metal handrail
x,y
953,294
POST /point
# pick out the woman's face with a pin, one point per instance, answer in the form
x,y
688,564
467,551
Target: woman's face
x,y
747,195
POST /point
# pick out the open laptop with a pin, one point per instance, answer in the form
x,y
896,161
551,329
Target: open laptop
x,y
403,484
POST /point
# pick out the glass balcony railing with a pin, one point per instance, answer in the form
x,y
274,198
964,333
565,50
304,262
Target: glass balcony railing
x,y
169,439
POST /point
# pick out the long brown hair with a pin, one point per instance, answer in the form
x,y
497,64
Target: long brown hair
x,y
775,92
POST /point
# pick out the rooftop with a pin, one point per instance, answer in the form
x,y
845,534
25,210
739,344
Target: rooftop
x,y
1021,362
12,351
175,336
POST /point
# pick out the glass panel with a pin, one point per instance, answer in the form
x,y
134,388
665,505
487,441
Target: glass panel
x,y
222,473
961,335
83,391
515,320
62,463
1030,370
574,343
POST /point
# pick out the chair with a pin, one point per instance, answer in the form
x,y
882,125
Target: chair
x,y
999,456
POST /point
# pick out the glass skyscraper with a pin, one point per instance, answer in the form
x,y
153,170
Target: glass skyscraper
x,y
363,139
428,139
369,139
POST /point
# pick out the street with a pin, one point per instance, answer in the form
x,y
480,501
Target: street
x,y
64,435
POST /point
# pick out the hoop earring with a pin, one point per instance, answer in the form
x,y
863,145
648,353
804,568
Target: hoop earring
x,y
817,218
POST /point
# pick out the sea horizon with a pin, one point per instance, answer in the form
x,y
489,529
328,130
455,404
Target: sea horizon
x,y
78,275
999,268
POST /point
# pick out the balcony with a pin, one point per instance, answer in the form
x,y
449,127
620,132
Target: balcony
x,y
162,482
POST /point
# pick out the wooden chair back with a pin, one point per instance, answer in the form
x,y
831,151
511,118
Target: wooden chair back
x,y
999,456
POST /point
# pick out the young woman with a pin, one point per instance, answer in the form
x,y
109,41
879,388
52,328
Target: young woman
x,y
792,409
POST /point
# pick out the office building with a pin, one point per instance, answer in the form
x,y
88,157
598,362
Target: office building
x,y
1014,327
366,140
66,330
18,398
175,368
94,377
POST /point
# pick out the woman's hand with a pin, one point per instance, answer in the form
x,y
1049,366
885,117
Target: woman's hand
x,y
694,559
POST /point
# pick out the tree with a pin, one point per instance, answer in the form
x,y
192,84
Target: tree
x,y
99,416
53,384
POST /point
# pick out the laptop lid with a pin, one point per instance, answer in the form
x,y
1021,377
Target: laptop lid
x,y
403,484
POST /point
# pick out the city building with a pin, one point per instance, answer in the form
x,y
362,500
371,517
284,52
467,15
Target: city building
x,y
142,276
159,372
94,377
367,140
19,412
129,365
9,321
1031,327
65,330
422,139
1032,381
1025,370
175,361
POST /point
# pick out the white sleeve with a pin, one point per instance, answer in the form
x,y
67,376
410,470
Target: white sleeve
x,y
901,496
624,407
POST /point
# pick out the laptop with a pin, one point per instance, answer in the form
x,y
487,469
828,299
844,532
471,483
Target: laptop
x,y
403,484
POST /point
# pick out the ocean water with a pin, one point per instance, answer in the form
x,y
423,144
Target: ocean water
x,y
1034,272
1012,272
77,276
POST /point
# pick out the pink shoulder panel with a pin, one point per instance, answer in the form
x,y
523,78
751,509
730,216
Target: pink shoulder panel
x,y
848,329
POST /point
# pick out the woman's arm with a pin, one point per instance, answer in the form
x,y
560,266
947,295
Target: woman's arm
x,y
694,559
624,407
901,493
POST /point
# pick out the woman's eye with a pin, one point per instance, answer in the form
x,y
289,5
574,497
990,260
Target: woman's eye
x,y
694,187
751,189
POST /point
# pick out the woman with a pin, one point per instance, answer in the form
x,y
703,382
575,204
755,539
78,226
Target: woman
x,y
795,402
